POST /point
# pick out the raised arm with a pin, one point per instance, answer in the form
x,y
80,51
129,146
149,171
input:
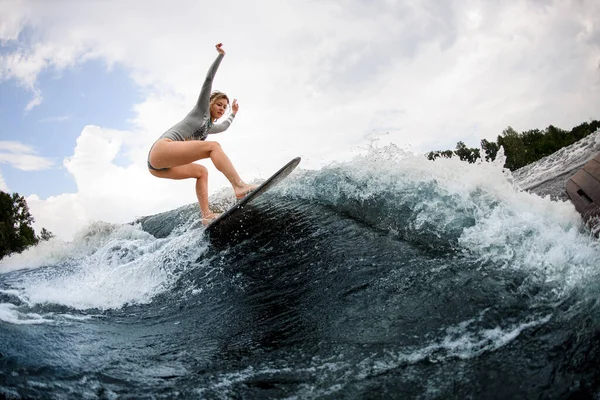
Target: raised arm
x,y
202,103
201,106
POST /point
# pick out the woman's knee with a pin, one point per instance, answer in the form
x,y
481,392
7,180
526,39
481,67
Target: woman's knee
x,y
215,146
200,171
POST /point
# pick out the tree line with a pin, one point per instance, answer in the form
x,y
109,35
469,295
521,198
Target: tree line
x,y
16,232
522,148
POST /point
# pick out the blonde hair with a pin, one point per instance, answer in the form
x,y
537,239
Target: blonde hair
x,y
216,95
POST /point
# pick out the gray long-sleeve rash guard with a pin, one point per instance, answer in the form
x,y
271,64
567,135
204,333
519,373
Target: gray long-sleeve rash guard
x,y
198,123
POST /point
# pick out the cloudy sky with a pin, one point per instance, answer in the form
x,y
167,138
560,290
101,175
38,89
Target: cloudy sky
x,y
86,86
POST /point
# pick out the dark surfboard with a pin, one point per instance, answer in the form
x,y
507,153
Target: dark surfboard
x,y
233,221
583,189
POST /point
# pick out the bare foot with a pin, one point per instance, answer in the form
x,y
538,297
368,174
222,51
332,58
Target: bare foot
x,y
243,190
210,217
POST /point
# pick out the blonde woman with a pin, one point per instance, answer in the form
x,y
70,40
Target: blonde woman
x,y
172,156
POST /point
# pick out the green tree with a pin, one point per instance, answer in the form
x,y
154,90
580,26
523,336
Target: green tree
x,y
514,148
23,219
462,151
532,140
45,234
583,130
6,224
490,149
465,153
523,148
16,232
432,155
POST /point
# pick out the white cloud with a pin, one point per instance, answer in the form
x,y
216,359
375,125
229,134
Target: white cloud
x,y
15,147
13,18
315,79
36,100
22,157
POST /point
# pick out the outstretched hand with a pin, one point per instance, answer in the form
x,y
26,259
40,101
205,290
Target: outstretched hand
x,y
219,47
235,106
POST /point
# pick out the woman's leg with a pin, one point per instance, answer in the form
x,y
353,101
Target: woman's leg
x,y
192,171
170,154
202,193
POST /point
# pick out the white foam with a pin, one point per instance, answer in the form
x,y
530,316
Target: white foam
x,y
465,340
523,231
109,268
51,252
56,251
463,343
9,313
503,225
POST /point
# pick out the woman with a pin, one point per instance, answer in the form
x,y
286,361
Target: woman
x,y
172,156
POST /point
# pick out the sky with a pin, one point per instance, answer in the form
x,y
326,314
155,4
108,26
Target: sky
x,y
86,87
